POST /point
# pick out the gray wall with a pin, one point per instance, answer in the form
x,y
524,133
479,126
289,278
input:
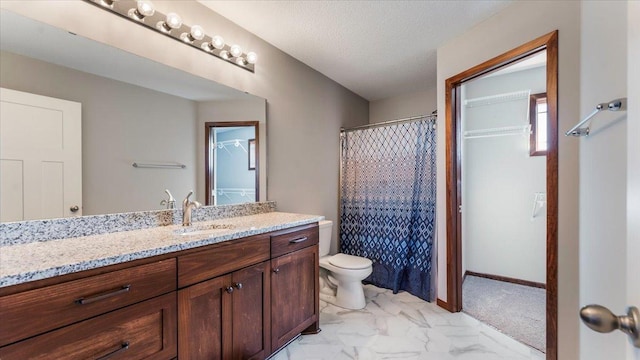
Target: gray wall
x,y
519,23
402,106
305,108
500,179
118,128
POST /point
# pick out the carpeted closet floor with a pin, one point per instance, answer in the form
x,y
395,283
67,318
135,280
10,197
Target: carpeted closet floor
x,y
516,310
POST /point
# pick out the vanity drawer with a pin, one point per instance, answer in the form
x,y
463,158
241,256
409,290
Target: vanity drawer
x,y
286,241
142,331
221,259
33,312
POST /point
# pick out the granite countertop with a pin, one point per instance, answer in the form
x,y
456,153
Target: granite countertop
x,y
44,259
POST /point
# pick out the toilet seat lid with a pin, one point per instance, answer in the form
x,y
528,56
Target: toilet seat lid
x,y
349,261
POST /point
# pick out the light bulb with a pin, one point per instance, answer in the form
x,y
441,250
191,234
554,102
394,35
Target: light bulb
x,y
224,54
143,9
252,57
241,61
197,32
236,50
174,20
217,42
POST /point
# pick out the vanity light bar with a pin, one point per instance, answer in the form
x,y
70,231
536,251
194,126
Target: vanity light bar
x,y
143,12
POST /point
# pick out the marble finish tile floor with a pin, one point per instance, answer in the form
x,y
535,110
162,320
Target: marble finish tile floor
x,y
402,326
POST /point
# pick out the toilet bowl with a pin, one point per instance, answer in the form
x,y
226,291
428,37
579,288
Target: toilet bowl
x,y
341,275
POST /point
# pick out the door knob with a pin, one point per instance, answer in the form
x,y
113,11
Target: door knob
x,y
601,319
238,285
229,289
74,208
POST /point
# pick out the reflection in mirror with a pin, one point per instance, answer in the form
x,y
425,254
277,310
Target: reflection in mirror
x,y
131,110
231,162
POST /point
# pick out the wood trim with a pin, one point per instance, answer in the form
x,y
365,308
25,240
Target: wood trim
x,y
451,134
443,304
453,175
509,57
505,279
207,149
552,197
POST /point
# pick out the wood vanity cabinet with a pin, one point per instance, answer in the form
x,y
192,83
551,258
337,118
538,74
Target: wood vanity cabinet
x,y
225,315
294,284
241,299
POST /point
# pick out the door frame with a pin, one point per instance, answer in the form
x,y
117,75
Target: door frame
x,y
454,179
208,162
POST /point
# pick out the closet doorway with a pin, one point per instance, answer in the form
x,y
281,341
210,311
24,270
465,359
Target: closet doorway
x,y
501,157
231,162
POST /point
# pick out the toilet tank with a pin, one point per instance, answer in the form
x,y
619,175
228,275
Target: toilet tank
x,y
324,229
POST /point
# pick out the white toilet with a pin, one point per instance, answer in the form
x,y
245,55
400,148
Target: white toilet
x,y
341,275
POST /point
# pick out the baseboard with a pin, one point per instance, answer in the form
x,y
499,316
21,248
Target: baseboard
x,y
442,304
505,279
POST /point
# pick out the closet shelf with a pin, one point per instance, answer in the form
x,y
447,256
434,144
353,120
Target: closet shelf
x,y
498,98
500,131
237,143
244,192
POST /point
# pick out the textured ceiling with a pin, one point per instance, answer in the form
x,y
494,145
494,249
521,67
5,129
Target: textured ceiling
x,y
377,49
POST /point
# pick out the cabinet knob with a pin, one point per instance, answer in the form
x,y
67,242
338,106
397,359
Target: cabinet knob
x,y
229,289
238,286
276,270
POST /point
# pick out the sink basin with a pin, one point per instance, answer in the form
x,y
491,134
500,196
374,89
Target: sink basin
x,y
195,230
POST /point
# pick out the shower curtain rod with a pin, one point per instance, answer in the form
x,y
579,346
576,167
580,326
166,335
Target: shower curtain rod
x,y
390,122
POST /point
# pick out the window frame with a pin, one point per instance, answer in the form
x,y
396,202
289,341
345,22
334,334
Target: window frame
x,y
534,99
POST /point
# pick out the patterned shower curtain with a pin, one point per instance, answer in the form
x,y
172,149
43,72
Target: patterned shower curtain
x,y
388,193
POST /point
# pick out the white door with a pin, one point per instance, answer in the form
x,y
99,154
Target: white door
x,y
40,157
609,172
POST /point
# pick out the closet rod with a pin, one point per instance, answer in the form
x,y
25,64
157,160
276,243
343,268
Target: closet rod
x,y
391,122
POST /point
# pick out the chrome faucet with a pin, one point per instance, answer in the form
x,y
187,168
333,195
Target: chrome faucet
x,y
187,207
170,203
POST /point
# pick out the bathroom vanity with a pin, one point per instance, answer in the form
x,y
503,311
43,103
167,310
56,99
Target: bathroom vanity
x,y
220,292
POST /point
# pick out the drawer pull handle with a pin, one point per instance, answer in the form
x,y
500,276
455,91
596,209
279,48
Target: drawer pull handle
x,y
276,270
104,295
229,289
238,285
124,346
298,240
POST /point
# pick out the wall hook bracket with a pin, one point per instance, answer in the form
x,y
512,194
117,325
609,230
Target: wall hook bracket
x,y
613,105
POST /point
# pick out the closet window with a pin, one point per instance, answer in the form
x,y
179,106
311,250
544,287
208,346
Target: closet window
x,y
538,119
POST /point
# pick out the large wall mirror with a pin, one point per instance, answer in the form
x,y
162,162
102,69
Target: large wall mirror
x,y
129,110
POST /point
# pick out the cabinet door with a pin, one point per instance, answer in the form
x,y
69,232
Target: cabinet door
x,y
204,323
294,294
251,312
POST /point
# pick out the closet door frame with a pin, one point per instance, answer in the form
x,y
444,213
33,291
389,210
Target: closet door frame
x,y
548,42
